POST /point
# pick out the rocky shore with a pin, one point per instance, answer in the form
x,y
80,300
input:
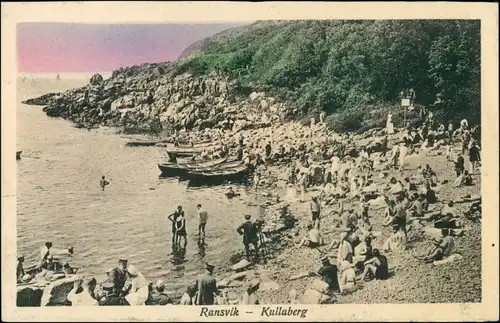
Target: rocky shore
x,y
153,99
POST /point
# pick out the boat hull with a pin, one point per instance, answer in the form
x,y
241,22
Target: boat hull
x,y
217,177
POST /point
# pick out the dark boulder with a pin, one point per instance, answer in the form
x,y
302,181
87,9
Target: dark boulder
x,y
96,79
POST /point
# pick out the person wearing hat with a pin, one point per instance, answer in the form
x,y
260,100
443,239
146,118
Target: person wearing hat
x,y
249,297
187,297
20,268
84,297
139,291
118,276
328,273
206,287
158,296
248,230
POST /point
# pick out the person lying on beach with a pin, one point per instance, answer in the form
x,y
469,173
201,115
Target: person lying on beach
x,y
436,252
376,266
312,239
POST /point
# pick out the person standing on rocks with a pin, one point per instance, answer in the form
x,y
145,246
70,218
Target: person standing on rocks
x,y
249,232
207,287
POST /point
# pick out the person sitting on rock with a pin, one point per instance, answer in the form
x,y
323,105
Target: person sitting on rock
x,y
464,179
313,238
347,281
397,241
328,274
68,270
158,296
81,294
188,296
459,165
249,296
376,266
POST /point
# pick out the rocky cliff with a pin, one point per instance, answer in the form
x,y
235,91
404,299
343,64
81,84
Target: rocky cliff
x,y
152,98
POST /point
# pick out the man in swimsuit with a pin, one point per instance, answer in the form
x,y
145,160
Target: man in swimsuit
x,y
202,216
248,230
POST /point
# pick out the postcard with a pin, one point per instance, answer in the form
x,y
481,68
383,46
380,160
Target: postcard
x,y
240,161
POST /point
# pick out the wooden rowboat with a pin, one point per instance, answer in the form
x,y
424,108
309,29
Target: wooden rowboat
x,y
176,170
217,176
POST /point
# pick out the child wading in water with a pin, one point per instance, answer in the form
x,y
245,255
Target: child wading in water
x,y
103,182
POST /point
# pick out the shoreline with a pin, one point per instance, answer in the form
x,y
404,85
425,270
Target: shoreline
x,y
293,133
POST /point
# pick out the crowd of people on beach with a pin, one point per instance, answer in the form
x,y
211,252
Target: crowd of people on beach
x,y
356,180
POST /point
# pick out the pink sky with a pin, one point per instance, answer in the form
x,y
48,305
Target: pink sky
x,y
67,47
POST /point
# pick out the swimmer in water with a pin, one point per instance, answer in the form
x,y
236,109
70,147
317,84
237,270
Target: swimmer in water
x,y
103,182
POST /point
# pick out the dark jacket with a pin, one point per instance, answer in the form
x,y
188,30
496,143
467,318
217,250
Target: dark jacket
x,y
118,278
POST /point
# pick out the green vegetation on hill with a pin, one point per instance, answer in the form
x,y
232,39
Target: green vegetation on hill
x,y
354,70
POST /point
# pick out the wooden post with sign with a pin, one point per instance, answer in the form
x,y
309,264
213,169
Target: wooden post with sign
x,y
405,103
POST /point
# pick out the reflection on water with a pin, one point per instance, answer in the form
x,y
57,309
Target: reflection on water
x,y
59,199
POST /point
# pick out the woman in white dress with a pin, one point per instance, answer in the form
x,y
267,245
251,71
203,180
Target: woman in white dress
x,y
390,125
140,290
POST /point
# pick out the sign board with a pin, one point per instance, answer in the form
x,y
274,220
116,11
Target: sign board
x,y
405,102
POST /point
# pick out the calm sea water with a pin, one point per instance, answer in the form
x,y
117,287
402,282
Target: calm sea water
x,y
59,199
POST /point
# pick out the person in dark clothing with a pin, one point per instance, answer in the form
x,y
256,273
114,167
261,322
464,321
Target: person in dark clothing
x,y
268,149
173,218
248,230
206,287
20,269
430,195
459,165
103,182
377,266
328,273
474,157
157,295
118,276
239,153
240,140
